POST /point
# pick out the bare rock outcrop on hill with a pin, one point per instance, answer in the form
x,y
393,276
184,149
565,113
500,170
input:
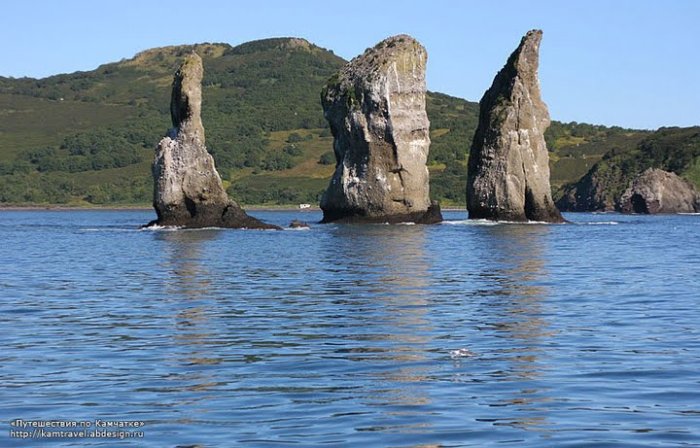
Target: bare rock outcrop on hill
x,y
376,110
659,191
508,176
187,188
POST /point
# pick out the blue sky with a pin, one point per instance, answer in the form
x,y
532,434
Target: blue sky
x,y
632,63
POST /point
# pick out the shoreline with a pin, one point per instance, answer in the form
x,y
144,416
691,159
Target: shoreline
x,y
61,207
145,208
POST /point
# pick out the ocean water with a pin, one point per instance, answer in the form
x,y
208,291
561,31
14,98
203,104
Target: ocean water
x,y
458,334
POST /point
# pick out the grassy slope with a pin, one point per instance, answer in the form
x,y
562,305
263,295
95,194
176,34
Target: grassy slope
x,y
571,162
28,122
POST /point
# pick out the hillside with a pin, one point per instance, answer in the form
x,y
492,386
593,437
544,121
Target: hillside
x,y
88,137
671,149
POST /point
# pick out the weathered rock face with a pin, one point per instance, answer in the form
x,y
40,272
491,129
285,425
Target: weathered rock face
x,y
376,110
187,188
508,177
658,191
594,192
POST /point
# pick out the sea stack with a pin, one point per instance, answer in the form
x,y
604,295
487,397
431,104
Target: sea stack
x,y
187,188
658,191
508,174
376,110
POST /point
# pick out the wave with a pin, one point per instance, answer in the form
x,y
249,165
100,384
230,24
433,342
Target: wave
x,y
108,229
470,222
487,222
157,228
461,353
598,223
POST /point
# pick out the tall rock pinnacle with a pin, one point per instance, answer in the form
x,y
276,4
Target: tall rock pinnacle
x,y
187,188
376,110
508,177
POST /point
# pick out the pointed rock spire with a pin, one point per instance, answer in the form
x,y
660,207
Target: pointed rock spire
x,y
186,98
187,188
508,175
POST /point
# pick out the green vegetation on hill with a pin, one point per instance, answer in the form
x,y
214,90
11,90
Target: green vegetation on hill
x,y
671,149
571,162
250,92
88,137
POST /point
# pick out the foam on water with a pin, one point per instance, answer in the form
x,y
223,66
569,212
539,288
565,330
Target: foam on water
x,y
487,222
470,222
159,228
461,353
598,223
109,229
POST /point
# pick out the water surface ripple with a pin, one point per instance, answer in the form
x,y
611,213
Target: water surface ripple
x,y
459,334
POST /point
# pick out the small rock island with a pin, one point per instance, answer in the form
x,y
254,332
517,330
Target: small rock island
x,y
187,188
658,191
376,110
508,173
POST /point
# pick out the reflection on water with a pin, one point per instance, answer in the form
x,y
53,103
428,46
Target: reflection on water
x,y
183,249
188,289
388,266
517,276
517,295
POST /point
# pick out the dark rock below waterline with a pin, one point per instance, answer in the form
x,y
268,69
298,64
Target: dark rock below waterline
x,y
187,188
297,224
431,216
508,174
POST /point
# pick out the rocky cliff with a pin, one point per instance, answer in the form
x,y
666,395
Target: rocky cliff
x,y
673,149
658,191
376,110
508,174
187,188
595,191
